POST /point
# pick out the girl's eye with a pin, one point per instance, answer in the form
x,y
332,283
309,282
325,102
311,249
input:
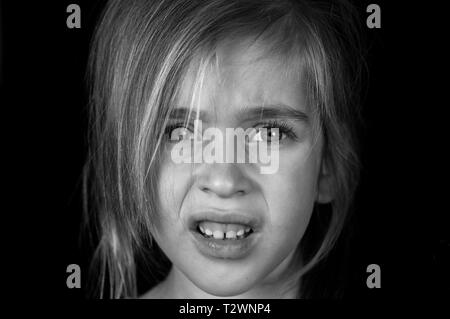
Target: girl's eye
x,y
178,133
272,132
268,135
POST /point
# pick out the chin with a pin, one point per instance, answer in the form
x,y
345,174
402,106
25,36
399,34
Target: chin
x,y
228,288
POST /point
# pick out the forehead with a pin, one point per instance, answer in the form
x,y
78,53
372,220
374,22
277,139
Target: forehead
x,y
242,74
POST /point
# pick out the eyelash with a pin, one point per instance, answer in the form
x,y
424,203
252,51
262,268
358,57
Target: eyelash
x,y
170,127
283,127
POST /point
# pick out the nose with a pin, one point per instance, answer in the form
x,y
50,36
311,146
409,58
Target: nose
x,y
223,180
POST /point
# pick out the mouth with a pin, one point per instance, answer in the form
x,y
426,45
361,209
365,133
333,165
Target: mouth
x,y
224,235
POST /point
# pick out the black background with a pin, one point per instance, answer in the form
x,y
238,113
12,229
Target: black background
x,y
402,220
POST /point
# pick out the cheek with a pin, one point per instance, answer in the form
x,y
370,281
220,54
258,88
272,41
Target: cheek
x,y
291,192
172,187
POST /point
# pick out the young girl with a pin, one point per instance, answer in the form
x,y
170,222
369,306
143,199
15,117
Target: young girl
x,y
285,69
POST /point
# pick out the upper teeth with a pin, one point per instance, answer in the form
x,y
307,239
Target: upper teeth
x,y
221,231
218,234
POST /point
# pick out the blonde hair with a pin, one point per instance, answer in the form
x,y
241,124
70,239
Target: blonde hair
x,y
140,52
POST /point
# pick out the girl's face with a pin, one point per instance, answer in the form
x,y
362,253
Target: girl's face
x,y
226,199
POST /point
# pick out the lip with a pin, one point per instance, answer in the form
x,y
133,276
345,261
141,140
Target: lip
x,y
220,248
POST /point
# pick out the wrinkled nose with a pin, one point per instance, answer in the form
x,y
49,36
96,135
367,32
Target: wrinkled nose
x,y
223,180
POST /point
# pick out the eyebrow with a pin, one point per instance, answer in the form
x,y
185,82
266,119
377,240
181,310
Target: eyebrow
x,y
182,113
273,111
248,113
